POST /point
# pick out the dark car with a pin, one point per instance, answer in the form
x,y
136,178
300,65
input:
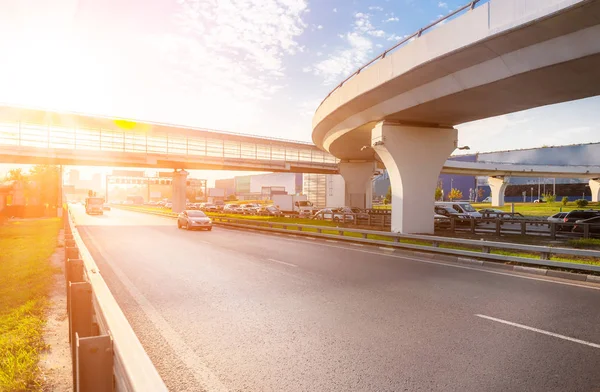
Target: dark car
x,y
194,219
450,212
576,215
594,225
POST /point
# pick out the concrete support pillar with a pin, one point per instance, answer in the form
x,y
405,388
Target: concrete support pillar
x,y
595,188
497,186
358,177
179,185
413,157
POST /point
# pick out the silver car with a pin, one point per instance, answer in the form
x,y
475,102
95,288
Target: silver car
x,y
194,220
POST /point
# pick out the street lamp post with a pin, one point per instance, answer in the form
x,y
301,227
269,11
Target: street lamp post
x,y
532,194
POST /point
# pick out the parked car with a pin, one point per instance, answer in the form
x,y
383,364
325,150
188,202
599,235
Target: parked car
x,y
333,214
106,207
232,209
209,207
249,209
594,225
168,205
558,218
492,212
441,221
576,215
358,212
269,211
462,207
194,219
450,212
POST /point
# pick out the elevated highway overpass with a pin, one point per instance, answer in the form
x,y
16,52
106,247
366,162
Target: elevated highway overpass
x,y
496,58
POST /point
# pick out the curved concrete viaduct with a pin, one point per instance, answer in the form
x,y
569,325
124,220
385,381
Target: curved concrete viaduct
x,y
501,57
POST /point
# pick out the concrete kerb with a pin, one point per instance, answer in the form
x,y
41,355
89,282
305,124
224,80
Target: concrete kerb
x,y
414,250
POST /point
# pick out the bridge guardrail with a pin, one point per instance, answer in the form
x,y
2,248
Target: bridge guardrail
x,y
471,5
106,353
545,252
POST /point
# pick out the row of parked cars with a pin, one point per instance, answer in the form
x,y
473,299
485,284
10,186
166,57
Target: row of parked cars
x,y
578,218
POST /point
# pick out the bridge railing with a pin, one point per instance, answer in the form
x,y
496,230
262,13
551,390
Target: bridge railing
x,y
106,353
471,5
21,134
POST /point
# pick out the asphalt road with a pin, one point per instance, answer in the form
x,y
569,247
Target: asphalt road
x,y
243,311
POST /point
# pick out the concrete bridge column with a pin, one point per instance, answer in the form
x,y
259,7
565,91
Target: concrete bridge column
x,y
358,177
497,186
595,188
178,184
414,157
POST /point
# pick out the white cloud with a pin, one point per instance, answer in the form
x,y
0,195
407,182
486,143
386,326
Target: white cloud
x,y
319,27
442,4
357,51
335,10
234,49
375,8
395,37
392,19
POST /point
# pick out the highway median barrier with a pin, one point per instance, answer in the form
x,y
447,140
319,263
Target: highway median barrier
x,y
105,352
451,249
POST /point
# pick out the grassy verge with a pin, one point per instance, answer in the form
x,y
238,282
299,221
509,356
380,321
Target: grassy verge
x,y
25,280
289,223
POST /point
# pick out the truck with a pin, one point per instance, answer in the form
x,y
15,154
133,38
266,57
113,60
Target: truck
x,y
294,204
94,205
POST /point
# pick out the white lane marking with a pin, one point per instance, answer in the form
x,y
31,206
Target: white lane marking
x,y
256,232
202,373
556,335
331,240
309,238
292,235
355,244
386,248
282,262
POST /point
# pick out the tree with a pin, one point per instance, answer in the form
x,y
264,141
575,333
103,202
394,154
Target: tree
x,y
581,203
480,193
15,175
549,198
565,200
44,180
455,194
388,196
231,198
438,193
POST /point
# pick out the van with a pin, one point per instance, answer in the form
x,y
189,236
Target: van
x,y
463,207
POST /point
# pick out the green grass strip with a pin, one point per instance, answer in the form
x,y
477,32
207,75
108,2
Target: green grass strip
x,y
25,281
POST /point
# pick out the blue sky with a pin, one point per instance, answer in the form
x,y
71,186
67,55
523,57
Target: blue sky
x,y
251,66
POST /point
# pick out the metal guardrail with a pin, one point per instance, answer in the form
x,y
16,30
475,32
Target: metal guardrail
x,y
406,39
394,240
106,353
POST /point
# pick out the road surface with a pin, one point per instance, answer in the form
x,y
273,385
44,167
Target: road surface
x,y
234,310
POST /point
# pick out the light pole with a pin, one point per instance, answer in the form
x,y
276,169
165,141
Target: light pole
x,y
532,194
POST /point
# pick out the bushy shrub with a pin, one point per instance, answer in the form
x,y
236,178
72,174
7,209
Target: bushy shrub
x,y
581,203
565,200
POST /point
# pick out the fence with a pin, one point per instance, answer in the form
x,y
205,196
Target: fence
x,y
106,353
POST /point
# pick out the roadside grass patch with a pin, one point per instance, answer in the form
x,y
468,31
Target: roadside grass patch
x,y
25,280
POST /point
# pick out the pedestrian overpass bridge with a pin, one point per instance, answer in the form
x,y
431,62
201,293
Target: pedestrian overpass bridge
x,y
483,60
34,136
